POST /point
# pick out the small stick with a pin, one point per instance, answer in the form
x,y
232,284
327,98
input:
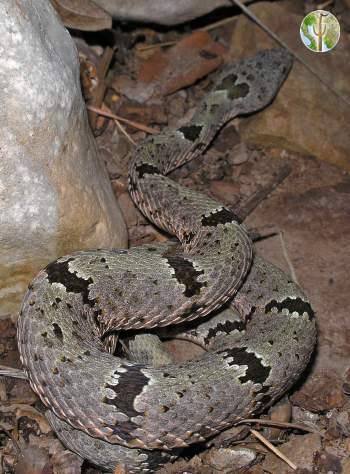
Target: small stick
x,y
99,92
122,129
218,23
209,27
287,259
11,372
165,44
3,393
279,424
139,126
273,449
245,208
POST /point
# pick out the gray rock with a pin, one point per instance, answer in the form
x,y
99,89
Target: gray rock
x,y
223,460
55,196
164,12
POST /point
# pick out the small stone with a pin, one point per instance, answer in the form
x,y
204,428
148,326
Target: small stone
x,y
299,415
346,388
239,154
338,424
223,459
299,449
320,392
327,462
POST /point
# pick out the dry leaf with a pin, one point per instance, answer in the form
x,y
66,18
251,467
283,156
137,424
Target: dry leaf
x,y
82,15
165,72
28,411
191,58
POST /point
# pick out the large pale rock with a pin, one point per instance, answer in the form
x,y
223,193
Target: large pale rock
x,y
305,116
165,12
55,196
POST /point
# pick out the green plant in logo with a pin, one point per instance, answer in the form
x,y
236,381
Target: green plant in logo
x,y
320,31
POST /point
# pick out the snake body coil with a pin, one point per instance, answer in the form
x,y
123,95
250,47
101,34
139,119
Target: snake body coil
x,y
110,409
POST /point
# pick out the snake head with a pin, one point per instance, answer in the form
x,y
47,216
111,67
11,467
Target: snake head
x,y
251,84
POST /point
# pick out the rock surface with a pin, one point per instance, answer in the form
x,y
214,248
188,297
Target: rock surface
x,y
165,12
311,208
305,117
233,460
55,196
321,392
300,449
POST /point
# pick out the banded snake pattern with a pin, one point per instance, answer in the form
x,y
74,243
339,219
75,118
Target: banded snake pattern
x,y
141,413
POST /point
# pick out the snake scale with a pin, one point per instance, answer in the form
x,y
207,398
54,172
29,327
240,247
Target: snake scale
x,y
112,409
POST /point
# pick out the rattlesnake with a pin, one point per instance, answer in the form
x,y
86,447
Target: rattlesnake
x,y
109,409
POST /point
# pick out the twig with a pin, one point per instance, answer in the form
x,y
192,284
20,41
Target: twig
x,y
17,401
11,372
273,449
122,129
218,23
247,206
273,35
99,92
279,424
165,44
288,260
209,27
139,126
3,392
257,236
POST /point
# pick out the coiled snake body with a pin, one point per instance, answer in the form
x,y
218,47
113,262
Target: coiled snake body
x,y
109,409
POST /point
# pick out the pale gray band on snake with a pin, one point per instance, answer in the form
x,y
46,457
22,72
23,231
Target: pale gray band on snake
x,y
109,409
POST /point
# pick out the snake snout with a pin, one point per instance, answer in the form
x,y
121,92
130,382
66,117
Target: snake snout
x,y
253,83
273,66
